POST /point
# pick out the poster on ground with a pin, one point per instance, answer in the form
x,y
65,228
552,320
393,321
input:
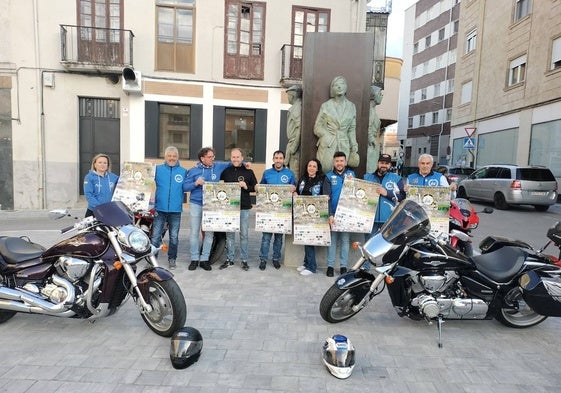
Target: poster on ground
x,y
136,185
221,207
357,206
273,208
436,202
311,220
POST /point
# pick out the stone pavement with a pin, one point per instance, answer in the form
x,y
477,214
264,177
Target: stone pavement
x,y
263,334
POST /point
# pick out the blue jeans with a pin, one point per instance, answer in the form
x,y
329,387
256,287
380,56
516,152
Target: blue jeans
x,y
196,215
266,242
310,258
174,222
231,238
332,250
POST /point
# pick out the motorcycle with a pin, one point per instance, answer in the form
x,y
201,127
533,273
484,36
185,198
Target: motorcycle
x,y
428,279
90,274
463,218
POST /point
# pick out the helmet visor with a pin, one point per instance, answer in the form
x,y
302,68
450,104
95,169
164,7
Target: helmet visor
x,y
185,348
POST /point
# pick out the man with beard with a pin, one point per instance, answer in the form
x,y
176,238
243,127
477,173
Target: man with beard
x,y
390,188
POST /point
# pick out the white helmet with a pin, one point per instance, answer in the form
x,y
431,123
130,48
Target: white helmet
x,y
338,355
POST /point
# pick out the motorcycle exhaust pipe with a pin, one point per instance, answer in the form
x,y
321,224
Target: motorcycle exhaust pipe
x,y
16,306
30,300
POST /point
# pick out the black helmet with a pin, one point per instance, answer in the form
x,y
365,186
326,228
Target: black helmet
x,y
338,355
186,347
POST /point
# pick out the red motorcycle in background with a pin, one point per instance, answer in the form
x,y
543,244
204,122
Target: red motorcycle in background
x,y
463,218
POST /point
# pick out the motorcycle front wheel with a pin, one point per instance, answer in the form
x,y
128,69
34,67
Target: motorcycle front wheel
x,y
168,308
521,317
337,304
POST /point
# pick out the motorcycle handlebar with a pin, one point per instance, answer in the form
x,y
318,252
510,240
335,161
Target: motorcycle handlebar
x,y
64,230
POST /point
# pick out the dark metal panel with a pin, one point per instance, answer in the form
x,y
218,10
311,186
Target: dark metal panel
x,y
219,127
151,129
260,135
196,131
283,137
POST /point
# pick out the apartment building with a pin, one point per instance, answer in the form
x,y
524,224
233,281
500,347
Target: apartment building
x,y
426,90
130,77
508,83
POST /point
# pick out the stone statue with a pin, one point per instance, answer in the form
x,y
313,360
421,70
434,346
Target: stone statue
x,y
293,124
373,151
335,126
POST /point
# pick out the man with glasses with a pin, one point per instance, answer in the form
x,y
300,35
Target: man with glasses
x,y
206,170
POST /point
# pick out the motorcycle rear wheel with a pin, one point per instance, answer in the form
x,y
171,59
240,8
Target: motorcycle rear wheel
x,y
523,317
337,304
168,308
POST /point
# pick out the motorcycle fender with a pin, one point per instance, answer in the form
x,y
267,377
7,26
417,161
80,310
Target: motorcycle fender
x,y
353,279
542,292
151,274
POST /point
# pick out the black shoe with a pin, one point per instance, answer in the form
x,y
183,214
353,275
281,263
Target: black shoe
x,y
263,264
226,264
171,264
193,265
329,272
245,266
276,264
206,265
343,270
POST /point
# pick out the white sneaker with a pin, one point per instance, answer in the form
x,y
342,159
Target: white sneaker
x,y
301,268
306,272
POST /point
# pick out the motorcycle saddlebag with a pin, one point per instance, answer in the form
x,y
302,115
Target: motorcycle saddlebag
x,y
542,294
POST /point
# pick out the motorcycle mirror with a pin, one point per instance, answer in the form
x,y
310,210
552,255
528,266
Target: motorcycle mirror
x,y
58,213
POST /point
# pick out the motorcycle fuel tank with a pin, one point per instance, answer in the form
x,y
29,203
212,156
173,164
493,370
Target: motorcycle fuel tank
x,y
425,257
84,244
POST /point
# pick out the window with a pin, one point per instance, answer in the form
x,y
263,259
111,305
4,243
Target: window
x,y
175,50
412,97
240,132
441,34
449,114
415,47
436,90
556,54
471,40
410,122
305,20
522,8
434,117
450,86
424,93
427,41
175,128
244,40
456,26
466,93
517,73
421,120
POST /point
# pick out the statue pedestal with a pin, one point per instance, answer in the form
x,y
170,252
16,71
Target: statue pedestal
x,y
293,255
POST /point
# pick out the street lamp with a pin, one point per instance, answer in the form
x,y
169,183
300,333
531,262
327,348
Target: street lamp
x,y
377,23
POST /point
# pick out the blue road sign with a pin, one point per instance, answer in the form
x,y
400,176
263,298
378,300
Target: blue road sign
x,y
469,143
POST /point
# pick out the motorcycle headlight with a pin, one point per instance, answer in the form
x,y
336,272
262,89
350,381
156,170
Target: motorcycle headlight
x,y
135,238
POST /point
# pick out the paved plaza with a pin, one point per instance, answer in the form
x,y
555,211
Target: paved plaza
x,y
263,334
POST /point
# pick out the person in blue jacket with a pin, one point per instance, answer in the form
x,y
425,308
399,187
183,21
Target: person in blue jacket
x,y
278,174
206,170
425,176
390,188
332,186
168,203
99,183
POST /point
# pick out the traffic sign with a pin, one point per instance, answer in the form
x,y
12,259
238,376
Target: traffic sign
x,y
469,143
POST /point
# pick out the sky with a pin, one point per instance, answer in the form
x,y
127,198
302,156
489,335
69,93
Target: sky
x,y
394,44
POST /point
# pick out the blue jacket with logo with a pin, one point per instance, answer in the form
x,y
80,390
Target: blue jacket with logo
x,y
284,176
169,188
208,173
99,189
393,183
332,186
433,179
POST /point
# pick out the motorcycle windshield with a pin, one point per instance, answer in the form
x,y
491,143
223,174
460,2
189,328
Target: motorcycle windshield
x,y
114,214
464,205
409,221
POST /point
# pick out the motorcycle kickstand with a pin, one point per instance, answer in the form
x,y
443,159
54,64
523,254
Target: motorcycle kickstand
x,y
439,326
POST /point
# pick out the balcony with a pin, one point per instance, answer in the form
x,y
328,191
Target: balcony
x,y
291,65
95,50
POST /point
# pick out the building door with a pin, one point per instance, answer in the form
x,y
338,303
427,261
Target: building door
x,y
305,20
99,133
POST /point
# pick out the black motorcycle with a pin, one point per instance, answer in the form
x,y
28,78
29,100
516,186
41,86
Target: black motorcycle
x,y
90,274
428,279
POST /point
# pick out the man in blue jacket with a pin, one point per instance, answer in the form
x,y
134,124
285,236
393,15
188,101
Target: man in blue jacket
x,y
332,186
278,174
206,170
169,201
390,189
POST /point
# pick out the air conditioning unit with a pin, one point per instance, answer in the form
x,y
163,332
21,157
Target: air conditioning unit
x,y
132,81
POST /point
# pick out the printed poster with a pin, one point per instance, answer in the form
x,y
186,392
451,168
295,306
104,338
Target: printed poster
x,y
311,220
357,206
436,202
273,208
136,185
221,207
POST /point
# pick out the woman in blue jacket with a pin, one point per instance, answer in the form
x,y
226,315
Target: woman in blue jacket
x,y
99,183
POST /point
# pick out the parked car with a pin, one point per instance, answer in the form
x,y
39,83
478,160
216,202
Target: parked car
x,y
511,185
454,174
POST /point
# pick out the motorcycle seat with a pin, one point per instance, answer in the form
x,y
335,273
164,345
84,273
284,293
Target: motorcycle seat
x,y
501,265
16,249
